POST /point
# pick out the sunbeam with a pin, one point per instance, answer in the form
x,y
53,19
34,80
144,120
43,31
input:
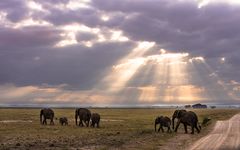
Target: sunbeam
x,y
126,67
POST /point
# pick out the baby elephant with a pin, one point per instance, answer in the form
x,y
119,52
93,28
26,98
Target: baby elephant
x,y
63,121
95,117
164,122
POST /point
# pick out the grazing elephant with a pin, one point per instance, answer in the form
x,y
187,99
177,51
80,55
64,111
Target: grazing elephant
x,y
84,116
188,118
63,120
164,122
46,113
95,119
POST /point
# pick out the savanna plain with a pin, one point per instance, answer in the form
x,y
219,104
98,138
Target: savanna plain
x,y
119,129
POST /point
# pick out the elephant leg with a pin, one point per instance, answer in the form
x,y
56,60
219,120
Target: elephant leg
x,y
178,123
198,131
192,129
80,123
44,121
87,123
168,130
162,129
185,128
98,125
52,123
159,128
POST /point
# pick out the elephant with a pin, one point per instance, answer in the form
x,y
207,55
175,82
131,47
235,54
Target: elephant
x,y
63,120
84,115
188,118
95,119
46,113
164,122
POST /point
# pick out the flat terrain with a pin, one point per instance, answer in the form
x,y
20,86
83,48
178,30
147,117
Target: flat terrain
x,y
119,129
225,135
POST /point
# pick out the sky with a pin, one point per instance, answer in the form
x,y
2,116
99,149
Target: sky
x,y
119,52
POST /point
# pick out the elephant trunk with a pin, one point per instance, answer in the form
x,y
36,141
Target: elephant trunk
x,y
76,116
173,118
156,122
41,113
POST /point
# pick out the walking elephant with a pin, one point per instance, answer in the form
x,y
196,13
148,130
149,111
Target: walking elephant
x,y
63,121
45,114
187,118
95,119
84,116
164,122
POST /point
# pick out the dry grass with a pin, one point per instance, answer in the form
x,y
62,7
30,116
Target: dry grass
x,y
119,129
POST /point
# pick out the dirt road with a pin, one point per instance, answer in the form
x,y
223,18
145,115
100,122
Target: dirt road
x,y
225,136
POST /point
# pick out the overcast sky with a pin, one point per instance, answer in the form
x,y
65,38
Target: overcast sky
x,y
119,52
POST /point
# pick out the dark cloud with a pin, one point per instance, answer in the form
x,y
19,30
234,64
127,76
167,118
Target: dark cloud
x,y
180,25
30,37
78,66
16,9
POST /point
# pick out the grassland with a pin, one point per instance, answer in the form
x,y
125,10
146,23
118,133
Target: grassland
x,y
119,129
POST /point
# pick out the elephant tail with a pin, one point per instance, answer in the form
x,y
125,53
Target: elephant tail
x,y
76,116
41,113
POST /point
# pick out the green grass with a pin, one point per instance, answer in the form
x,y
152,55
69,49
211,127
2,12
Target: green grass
x,y
119,128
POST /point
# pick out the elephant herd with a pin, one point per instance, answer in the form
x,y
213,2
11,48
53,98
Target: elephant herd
x,y
187,118
83,114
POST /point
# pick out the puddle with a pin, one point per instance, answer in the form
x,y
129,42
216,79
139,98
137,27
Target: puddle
x,y
15,121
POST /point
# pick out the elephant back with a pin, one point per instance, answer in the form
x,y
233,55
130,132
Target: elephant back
x,y
47,113
189,117
166,121
84,114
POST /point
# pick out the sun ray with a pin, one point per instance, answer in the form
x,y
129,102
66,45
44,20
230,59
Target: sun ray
x,y
122,72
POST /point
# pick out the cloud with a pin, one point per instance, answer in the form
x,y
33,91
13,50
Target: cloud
x,y
16,9
78,66
210,31
95,48
28,37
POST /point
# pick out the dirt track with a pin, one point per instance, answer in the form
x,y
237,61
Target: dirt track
x,y
225,136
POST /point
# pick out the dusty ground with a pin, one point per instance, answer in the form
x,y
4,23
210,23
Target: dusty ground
x,y
119,129
225,136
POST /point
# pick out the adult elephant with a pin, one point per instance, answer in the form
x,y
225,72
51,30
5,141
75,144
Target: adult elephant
x,y
187,118
164,122
84,116
46,113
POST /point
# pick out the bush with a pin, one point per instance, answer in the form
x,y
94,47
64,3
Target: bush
x,y
206,121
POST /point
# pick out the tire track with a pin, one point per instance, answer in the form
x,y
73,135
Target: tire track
x,y
225,136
